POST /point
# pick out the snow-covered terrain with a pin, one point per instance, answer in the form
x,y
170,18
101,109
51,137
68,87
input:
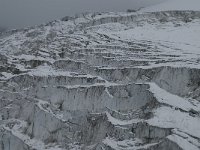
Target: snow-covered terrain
x,y
169,5
103,81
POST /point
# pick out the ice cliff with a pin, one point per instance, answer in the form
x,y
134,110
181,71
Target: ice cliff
x,y
102,81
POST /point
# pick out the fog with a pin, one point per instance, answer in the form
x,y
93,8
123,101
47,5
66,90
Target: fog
x,y
23,13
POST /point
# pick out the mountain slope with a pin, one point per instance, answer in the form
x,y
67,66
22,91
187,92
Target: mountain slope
x,y
103,81
169,5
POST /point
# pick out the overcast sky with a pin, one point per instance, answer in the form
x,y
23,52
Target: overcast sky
x,y
23,13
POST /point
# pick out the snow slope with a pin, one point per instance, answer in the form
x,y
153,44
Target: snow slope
x,y
168,5
103,81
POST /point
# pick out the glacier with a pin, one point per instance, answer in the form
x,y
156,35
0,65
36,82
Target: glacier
x,y
103,81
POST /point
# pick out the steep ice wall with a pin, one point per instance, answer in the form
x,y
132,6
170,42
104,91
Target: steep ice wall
x,y
103,81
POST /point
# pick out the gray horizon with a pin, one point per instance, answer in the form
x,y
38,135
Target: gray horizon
x,y
24,13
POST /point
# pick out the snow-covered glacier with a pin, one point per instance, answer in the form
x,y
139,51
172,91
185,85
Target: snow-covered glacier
x,y
103,81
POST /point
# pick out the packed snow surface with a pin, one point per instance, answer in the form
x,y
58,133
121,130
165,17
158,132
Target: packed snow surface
x,y
169,5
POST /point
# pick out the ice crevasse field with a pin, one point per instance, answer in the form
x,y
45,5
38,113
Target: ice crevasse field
x,y
104,81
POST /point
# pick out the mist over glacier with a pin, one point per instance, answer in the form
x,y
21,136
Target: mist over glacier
x,y
23,13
